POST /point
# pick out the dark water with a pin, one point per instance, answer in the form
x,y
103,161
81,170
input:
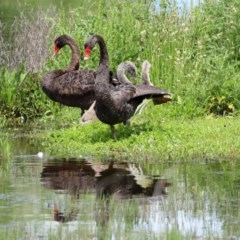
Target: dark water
x,y
43,197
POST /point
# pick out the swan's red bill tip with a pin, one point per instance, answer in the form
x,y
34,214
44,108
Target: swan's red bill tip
x,y
55,51
87,53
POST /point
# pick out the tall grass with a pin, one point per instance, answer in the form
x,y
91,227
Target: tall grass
x,y
194,51
21,61
28,40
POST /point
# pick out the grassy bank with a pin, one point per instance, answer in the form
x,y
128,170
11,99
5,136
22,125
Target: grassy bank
x,y
151,136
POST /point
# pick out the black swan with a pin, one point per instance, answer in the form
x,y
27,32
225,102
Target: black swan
x,y
127,66
116,105
70,86
90,115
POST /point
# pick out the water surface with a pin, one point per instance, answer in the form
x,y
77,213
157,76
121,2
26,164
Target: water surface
x,y
59,198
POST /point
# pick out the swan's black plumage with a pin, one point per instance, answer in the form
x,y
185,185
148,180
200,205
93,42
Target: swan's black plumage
x,y
116,105
70,86
118,78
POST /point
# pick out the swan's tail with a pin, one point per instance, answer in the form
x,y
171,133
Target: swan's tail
x,y
162,99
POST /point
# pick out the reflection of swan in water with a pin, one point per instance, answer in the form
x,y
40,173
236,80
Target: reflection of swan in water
x,y
68,176
118,180
128,182
78,177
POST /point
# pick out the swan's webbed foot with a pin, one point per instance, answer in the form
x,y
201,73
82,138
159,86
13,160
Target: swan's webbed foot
x,y
113,132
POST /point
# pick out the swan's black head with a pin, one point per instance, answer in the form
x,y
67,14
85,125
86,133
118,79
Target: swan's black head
x,y
60,42
88,46
90,43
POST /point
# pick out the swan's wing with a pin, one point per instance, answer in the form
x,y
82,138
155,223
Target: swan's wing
x,y
142,90
123,93
159,95
75,83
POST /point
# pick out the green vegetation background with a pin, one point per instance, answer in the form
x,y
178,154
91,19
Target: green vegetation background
x,y
194,54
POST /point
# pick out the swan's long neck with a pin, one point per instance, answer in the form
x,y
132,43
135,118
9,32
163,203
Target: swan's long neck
x,y
121,74
75,60
50,77
102,73
104,59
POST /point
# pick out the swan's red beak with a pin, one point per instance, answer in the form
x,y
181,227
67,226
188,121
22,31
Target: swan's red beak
x,y
87,53
55,51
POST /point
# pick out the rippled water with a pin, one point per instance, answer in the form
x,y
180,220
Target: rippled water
x,y
82,198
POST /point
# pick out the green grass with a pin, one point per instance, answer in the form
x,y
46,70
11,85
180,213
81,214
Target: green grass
x,y
151,136
194,55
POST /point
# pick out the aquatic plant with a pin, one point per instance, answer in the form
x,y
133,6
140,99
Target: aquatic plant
x,y
5,155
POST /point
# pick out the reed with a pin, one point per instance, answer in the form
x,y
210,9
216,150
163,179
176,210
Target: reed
x,y
193,51
5,155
